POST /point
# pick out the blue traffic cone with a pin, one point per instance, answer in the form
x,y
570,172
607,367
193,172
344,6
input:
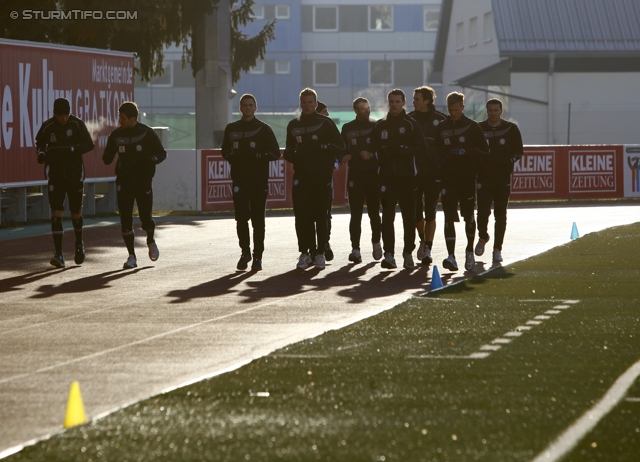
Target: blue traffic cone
x,y
574,231
436,280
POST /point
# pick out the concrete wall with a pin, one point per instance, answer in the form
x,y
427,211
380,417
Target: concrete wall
x,y
175,186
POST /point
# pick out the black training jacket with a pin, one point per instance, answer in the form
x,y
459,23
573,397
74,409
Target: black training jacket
x,y
505,144
139,150
249,147
428,121
357,135
460,144
62,147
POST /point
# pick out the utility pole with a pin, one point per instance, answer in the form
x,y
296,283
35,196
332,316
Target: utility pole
x,y
213,76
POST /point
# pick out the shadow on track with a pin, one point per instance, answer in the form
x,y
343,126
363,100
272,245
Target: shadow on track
x,y
86,284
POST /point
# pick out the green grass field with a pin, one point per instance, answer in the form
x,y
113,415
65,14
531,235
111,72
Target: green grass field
x,y
491,369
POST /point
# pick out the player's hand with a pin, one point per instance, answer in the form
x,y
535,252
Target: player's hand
x,y
346,158
42,157
366,155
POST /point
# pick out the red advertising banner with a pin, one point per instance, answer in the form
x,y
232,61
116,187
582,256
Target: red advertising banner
x,y
32,76
568,172
217,186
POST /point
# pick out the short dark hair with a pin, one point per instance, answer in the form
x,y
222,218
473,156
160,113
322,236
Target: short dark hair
x,y
358,101
455,97
248,96
61,106
427,93
309,92
493,101
397,92
129,108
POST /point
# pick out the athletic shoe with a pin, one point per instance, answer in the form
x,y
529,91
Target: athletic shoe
x,y
79,257
377,251
421,250
304,261
319,261
480,246
355,256
450,263
243,263
257,263
497,255
154,253
389,262
57,261
132,262
469,261
427,259
408,261
328,253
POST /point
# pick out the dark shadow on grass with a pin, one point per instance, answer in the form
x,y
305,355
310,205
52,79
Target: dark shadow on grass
x,y
86,284
467,285
215,288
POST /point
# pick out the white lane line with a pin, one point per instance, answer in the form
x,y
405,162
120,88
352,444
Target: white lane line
x,y
513,334
534,323
490,347
552,312
542,317
471,356
523,328
501,340
633,400
564,443
561,307
148,339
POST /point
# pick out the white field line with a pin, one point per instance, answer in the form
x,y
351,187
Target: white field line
x,y
564,443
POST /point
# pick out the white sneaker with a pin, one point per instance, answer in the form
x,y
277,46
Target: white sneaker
x,y
427,259
304,261
154,253
355,256
421,250
408,261
319,261
389,262
132,262
450,263
377,251
469,261
497,255
480,246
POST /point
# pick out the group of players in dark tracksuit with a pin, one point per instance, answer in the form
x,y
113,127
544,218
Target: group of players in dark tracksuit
x,y
410,160
61,142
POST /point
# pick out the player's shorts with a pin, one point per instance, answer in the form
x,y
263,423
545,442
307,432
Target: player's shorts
x,y
429,188
58,189
460,191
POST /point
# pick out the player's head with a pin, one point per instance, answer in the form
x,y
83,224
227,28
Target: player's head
x,y
397,100
128,114
308,101
362,108
455,105
248,106
248,96
61,110
322,108
494,110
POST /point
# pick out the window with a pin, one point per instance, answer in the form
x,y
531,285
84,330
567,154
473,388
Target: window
x,y
380,72
283,66
282,12
460,36
325,73
325,18
166,79
473,31
431,17
380,17
258,11
487,27
258,68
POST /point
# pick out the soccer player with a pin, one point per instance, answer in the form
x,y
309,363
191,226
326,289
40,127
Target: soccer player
x,y
249,145
322,109
363,180
61,142
399,142
460,142
494,175
139,150
428,179
313,146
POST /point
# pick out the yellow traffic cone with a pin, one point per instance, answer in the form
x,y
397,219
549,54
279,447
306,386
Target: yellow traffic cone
x,y
75,409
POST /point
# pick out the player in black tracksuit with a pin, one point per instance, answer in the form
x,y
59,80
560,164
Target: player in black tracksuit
x,y
249,145
362,179
61,142
494,175
139,150
428,179
399,142
460,142
313,146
